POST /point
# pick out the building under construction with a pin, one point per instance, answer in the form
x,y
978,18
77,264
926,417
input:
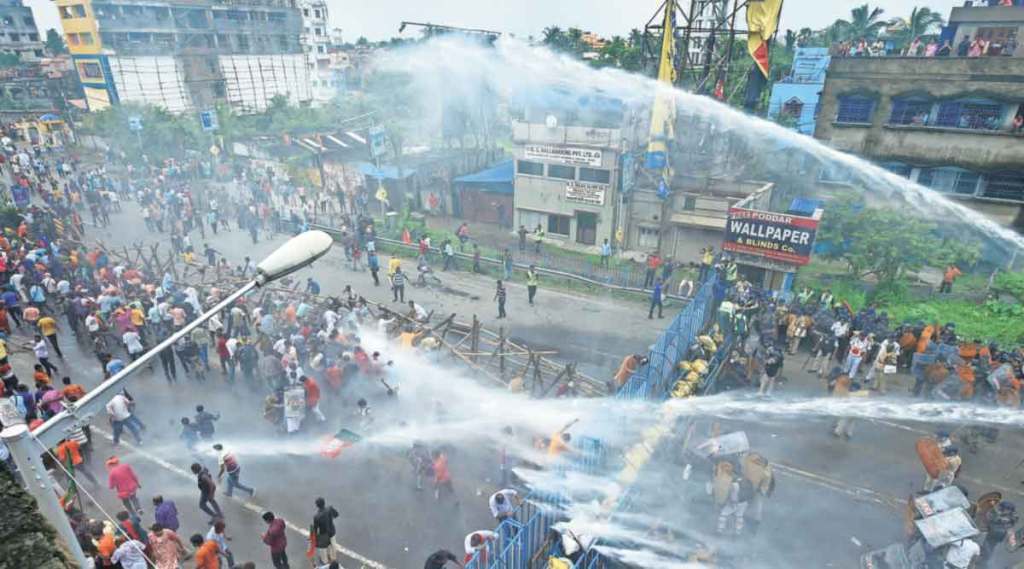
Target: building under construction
x,y
187,55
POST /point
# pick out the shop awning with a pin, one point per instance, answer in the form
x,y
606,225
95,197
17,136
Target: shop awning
x,y
385,172
496,179
697,220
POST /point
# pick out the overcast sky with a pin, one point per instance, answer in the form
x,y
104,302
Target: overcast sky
x,y
379,19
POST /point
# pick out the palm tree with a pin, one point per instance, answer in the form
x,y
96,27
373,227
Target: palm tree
x,y
636,38
805,37
922,22
864,23
790,41
574,39
554,37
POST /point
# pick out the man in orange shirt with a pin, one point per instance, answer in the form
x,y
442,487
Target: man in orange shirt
x,y
952,272
72,391
206,552
442,476
70,450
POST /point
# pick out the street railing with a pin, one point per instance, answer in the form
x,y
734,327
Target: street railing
x,y
587,278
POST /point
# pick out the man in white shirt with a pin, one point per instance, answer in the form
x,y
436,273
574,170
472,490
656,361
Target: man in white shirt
x,y
503,504
858,347
119,409
330,319
133,343
43,355
92,323
419,313
129,555
478,540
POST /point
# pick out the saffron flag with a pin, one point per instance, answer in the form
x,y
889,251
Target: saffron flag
x,y
762,22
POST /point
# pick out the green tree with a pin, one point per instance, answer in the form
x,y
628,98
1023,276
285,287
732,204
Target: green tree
x,y
923,22
163,135
887,243
864,23
55,42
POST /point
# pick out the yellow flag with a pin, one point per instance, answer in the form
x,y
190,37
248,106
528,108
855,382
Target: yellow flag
x,y
663,113
762,22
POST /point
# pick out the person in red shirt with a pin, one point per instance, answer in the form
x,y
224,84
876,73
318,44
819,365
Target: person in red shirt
x,y
312,397
334,376
276,539
442,476
223,353
361,358
121,477
653,262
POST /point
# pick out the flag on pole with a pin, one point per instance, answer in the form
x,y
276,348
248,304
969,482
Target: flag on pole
x,y
663,113
762,22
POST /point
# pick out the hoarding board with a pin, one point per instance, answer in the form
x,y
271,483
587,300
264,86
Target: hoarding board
x,y
778,236
571,155
585,192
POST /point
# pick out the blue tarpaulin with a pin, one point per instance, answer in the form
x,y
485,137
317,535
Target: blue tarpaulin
x,y
385,172
497,179
804,206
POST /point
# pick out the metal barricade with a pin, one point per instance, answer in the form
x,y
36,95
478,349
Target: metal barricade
x,y
655,380
519,540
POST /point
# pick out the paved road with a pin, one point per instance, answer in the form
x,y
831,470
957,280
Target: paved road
x,y
830,491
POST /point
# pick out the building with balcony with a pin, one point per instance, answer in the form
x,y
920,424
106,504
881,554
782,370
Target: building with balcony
x,y
187,55
19,35
316,44
953,124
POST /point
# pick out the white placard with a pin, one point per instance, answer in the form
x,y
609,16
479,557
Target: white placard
x,y
571,155
585,192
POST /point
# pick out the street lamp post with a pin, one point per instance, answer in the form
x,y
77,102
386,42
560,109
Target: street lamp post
x,y
26,446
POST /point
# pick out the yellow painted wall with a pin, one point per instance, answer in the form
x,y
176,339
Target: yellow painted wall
x,y
97,99
75,25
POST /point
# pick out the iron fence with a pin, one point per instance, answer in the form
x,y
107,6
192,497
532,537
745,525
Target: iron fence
x,y
519,540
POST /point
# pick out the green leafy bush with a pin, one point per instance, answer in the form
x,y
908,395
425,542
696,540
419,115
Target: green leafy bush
x,y
1011,284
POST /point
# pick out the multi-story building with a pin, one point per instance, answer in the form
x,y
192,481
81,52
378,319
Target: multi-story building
x,y
794,99
954,124
316,44
187,55
18,32
1001,26
567,173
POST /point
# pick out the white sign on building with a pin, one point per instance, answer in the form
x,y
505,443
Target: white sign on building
x,y
565,154
587,193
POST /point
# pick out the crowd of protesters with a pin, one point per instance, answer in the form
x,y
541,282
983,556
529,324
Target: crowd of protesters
x,y
301,350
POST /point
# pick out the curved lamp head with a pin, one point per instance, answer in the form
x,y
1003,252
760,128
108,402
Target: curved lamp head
x,y
298,252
